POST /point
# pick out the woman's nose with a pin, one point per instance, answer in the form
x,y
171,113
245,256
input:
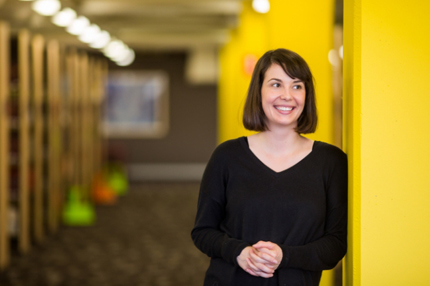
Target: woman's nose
x,y
285,94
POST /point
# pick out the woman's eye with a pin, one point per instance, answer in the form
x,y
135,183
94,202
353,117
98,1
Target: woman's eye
x,y
276,85
298,86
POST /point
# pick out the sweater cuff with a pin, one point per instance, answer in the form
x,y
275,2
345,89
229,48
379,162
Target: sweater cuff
x,y
285,256
232,252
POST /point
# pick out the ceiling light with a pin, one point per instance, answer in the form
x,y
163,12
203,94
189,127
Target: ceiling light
x,y
64,18
78,25
122,54
127,61
46,7
261,6
114,48
333,57
100,40
89,33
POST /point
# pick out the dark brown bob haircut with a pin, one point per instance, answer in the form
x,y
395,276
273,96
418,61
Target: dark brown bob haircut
x,y
295,67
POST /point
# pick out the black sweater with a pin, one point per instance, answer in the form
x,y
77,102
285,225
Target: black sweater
x,y
303,209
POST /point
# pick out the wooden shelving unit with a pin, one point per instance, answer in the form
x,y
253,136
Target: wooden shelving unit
x,y
50,135
84,124
4,144
73,105
24,140
37,49
97,84
15,142
54,179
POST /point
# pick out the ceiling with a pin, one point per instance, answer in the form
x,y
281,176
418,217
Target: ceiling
x,y
146,25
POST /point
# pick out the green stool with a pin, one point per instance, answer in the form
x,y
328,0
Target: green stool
x,y
118,182
77,212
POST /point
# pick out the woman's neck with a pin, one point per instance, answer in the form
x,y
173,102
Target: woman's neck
x,y
280,141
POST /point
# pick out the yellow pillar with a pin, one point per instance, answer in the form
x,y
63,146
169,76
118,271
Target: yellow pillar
x,y
247,41
386,70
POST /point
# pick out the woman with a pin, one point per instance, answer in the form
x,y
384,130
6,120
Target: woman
x,y
272,207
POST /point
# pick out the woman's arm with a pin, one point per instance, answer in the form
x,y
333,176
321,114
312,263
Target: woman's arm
x,y
325,252
206,233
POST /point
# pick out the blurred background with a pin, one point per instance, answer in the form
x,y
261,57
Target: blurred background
x,y
110,112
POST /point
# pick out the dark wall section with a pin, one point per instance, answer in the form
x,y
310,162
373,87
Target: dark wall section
x,y
192,132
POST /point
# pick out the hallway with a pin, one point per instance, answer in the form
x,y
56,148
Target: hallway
x,y
142,240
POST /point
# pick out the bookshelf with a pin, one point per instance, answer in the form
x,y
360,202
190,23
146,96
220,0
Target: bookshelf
x,y
4,143
54,175
38,57
24,140
50,137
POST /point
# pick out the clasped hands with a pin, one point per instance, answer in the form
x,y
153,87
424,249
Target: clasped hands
x,y
261,259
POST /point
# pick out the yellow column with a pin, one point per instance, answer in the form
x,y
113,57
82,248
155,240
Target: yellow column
x,y
386,70
247,41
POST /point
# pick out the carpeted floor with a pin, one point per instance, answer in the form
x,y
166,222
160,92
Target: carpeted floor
x,y
142,240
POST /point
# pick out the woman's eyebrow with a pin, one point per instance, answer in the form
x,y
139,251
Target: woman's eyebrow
x,y
277,79
294,81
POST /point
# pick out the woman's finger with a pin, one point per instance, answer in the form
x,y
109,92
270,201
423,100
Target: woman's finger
x,y
266,244
273,250
265,275
267,256
259,273
259,267
252,266
259,258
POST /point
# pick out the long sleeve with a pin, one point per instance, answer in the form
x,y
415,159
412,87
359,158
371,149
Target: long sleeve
x,y
325,252
206,233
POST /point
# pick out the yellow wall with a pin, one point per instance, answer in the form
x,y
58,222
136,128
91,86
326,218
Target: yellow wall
x,y
305,27
386,69
249,39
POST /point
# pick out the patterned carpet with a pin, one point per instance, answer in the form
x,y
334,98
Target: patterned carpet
x,y
142,240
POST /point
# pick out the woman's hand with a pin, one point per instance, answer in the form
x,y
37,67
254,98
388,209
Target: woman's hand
x,y
262,259
270,252
249,261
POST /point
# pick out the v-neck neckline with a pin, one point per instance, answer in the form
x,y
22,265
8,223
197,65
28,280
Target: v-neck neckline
x,y
245,145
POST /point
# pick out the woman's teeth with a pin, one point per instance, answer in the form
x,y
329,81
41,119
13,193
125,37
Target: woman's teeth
x,y
283,108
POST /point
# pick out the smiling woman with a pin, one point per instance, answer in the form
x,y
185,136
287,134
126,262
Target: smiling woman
x,y
282,97
272,206
292,69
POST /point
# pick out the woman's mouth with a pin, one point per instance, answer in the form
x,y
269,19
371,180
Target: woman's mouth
x,y
284,108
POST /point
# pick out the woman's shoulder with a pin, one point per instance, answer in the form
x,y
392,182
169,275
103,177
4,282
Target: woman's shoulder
x,y
231,145
227,150
329,150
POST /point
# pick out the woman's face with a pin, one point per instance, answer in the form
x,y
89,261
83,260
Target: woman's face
x,y
282,98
